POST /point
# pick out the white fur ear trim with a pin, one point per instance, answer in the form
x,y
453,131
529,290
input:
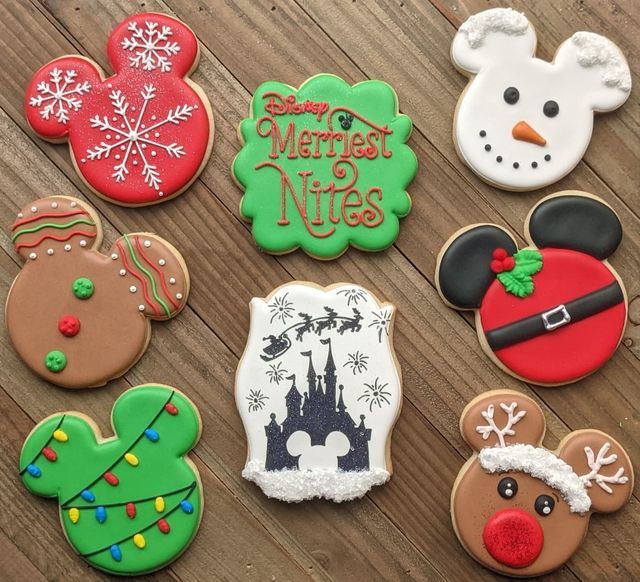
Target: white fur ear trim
x,y
506,20
540,464
595,50
491,37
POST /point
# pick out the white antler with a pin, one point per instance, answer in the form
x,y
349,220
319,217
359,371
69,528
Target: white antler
x,y
491,427
596,463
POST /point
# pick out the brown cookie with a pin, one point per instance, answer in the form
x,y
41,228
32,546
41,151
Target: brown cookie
x,y
80,318
520,509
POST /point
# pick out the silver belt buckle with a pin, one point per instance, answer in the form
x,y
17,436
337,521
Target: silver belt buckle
x,y
547,315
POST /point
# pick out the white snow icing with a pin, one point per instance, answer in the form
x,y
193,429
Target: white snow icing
x,y
595,50
294,485
506,20
540,464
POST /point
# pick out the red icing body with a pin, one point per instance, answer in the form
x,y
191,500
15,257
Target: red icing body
x,y
141,135
513,537
569,352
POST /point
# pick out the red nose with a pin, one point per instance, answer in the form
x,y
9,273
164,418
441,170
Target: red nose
x,y
513,537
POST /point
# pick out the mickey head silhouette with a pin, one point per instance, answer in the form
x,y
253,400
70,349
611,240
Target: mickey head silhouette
x,y
318,456
142,135
77,317
520,509
523,123
553,312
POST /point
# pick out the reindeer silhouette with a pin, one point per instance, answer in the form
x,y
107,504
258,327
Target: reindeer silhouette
x,y
351,324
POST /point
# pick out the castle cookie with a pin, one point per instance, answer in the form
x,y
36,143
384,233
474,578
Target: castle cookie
x,y
325,166
550,313
520,509
80,318
523,123
130,503
140,136
318,389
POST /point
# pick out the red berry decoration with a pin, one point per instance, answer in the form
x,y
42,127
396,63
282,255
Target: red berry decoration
x,y
496,266
502,261
69,325
508,264
500,254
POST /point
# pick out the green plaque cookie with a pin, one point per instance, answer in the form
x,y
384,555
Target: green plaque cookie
x,y
325,166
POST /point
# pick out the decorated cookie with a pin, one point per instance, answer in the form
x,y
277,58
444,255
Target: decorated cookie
x,y
325,166
319,390
550,313
140,136
75,316
523,123
130,503
519,508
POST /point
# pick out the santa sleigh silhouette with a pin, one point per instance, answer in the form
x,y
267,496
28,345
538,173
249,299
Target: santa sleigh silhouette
x,y
277,346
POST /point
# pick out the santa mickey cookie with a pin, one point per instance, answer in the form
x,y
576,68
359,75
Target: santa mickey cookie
x,y
78,317
140,136
520,509
523,123
550,313
131,503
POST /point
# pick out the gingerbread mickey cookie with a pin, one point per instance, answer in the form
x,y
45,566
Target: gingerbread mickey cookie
x,y
78,317
130,503
523,123
553,312
140,136
520,509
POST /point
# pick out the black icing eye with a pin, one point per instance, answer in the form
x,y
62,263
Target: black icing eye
x,y
544,505
551,109
511,95
508,488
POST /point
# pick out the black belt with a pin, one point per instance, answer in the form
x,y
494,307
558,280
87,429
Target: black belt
x,y
546,321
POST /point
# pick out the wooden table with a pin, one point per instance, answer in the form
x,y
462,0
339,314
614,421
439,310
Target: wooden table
x,y
398,531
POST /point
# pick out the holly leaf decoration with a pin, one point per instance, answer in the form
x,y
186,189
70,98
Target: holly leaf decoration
x,y
528,262
518,284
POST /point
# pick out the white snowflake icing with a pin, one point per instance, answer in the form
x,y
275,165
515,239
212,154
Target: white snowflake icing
x,y
133,136
151,46
59,94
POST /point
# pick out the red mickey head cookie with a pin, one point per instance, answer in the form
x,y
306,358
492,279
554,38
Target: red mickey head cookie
x,y
140,136
520,509
550,313
78,317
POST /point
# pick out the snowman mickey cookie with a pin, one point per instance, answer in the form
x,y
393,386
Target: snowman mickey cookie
x,y
550,313
140,136
523,123
80,318
520,509
319,390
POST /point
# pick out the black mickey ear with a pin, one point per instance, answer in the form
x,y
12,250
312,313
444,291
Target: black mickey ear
x,y
575,222
464,273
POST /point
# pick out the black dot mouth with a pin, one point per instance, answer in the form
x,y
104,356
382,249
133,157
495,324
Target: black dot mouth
x,y
499,159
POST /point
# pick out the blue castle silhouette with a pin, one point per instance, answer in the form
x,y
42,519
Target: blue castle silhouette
x,y
318,414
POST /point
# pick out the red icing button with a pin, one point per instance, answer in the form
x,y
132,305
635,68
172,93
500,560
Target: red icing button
x,y
513,537
69,325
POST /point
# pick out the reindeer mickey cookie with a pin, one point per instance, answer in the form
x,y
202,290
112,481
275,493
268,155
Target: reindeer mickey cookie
x,y
550,313
325,166
318,389
78,317
142,135
523,123
130,503
520,509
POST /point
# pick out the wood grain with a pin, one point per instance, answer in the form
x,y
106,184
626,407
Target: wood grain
x,y
402,530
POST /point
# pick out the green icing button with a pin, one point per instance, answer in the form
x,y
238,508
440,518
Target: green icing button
x,y
83,288
55,360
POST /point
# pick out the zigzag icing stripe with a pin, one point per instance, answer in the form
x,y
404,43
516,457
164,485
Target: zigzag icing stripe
x,y
162,281
47,215
144,283
52,225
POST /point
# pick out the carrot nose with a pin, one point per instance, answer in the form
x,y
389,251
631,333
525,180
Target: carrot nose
x,y
524,132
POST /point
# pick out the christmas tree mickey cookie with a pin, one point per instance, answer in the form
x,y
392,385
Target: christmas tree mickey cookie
x,y
520,509
523,123
78,317
325,166
140,136
550,313
130,503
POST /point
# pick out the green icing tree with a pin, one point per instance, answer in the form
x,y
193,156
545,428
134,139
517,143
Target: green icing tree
x,y
130,503
325,166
